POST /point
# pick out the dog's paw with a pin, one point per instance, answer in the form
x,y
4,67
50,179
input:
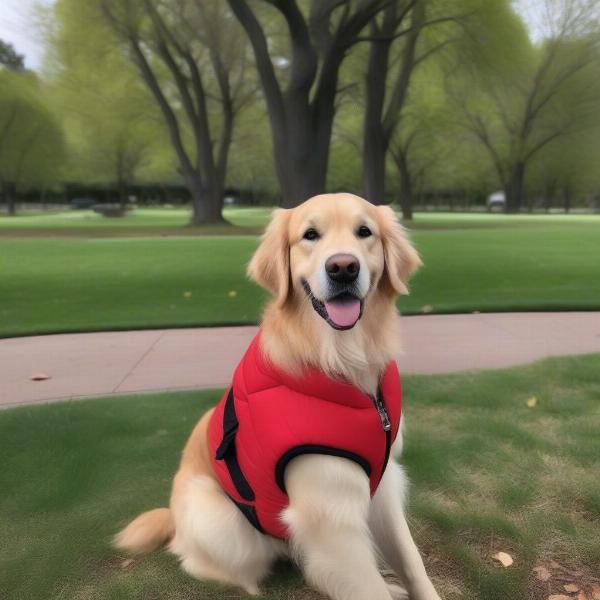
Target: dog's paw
x,y
397,592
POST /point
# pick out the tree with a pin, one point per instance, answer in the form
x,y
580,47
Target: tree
x,y
566,173
190,57
31,141
111,121
394,55
418,147
301,99
10,58
381,118
251,166
406,38
546,93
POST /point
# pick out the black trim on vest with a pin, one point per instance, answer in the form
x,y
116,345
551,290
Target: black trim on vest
x,y
282,463
227,451
250,513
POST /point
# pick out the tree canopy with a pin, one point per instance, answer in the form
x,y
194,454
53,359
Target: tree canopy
x,y
531,97
111,123
31,140
397,99
10,58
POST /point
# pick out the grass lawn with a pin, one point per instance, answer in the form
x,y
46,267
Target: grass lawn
x,y
489,474
100,280
174,221
139,222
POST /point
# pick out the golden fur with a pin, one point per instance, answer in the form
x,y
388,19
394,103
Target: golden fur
x,y
336,529
293,335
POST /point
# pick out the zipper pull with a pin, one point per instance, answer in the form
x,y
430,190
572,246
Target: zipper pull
x,y
383,415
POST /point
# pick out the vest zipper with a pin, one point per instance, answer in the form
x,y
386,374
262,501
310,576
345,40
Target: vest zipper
x,y
387,428
382,411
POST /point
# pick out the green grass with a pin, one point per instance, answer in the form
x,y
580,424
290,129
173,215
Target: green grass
x,y
100,282
139,222
488,474
174,221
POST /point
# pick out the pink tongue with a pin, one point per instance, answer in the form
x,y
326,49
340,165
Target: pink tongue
x,y
344,313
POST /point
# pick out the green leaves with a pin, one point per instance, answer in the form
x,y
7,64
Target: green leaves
x,y
31,139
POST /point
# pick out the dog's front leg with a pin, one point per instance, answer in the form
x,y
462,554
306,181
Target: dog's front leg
x,y
327,519
392,535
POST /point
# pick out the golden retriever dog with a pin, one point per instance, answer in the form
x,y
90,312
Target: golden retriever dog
x,y
337,531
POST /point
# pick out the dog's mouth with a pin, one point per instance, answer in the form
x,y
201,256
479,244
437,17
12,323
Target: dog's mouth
x,y
341,311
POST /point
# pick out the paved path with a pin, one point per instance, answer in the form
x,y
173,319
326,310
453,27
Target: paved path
x,y
94,364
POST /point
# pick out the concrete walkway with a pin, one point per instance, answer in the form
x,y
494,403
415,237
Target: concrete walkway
x,y
92,364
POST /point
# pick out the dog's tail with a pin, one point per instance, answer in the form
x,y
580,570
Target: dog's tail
x,y
147,532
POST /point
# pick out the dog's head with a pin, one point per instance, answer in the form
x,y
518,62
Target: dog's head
x,y
334,251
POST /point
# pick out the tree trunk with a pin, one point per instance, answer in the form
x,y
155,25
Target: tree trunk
x,y
302,149
8,191
514,189
202,175
207,204
122,187
379,125
406,191
373,161
375,142
301,115
567,195
549,194
301,175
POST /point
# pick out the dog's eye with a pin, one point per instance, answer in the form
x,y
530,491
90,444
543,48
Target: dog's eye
x,y
364,232
311,234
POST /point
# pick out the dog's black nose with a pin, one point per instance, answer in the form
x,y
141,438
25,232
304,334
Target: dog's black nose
x,y
342,268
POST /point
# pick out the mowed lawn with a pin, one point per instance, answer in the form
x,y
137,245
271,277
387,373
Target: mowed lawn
x,y
138,222
162,274
489,474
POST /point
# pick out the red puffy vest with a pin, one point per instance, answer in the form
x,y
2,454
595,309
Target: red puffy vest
x,y
267,418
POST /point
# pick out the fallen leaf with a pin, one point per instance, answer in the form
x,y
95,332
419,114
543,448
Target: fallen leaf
x,y
126,563
187,294
571,587
504,559
581,596
559,597
542,573
427,308
232,293
39,377
596,592
531,402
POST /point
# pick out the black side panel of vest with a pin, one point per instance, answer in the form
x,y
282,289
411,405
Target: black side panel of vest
x,y
250,513
282,463
227,450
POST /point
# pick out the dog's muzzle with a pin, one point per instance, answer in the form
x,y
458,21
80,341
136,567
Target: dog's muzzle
x,y
341,311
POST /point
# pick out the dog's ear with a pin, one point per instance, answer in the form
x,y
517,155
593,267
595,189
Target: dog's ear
x,y
270,265
401,259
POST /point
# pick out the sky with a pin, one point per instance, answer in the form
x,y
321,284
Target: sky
x,y
18,25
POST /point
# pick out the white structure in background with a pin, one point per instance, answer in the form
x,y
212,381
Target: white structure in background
x,y
496,200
